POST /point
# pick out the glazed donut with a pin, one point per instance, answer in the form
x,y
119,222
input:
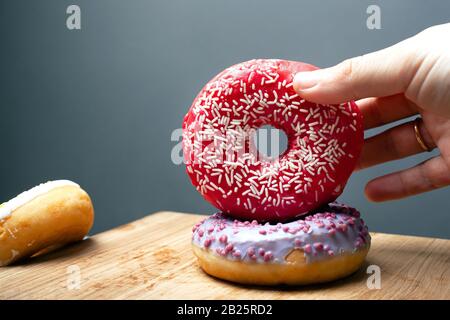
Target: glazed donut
x,y
320,247
324,143
50,214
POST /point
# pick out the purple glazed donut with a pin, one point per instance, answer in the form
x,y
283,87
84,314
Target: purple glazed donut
x,y
323,246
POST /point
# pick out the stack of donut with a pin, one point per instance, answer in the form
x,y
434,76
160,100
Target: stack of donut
x,y
278,222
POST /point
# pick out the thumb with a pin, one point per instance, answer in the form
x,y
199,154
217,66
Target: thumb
x,y
381,73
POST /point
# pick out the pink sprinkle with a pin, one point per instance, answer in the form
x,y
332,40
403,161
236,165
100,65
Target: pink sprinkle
x,y
251,251
318,246
330,252
261,252
326,247
228,248
210,229
332,232
268,256
298,242
207,242
263,232
286,229
237,253
343,227
200,232
307,248
223,238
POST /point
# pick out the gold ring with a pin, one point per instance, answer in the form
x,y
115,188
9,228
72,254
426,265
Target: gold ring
x,y
419,137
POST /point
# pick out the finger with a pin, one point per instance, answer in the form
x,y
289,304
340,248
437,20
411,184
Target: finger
x,y
395,143
429,175
381,111
382,73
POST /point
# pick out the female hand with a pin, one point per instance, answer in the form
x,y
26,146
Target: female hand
x,y
409,78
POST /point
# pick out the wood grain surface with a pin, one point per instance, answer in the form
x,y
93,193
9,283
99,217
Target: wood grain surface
x,y
152,259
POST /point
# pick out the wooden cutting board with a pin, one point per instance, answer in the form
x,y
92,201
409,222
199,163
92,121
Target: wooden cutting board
x,y
151,259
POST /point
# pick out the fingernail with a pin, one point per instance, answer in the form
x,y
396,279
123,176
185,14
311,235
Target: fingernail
x,y
306,80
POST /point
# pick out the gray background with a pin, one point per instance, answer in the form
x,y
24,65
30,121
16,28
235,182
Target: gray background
x,y
98,105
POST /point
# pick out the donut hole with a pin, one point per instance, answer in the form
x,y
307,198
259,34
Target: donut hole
x,y
270,142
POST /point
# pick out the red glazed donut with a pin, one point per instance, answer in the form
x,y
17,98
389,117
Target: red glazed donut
x,y
324,143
